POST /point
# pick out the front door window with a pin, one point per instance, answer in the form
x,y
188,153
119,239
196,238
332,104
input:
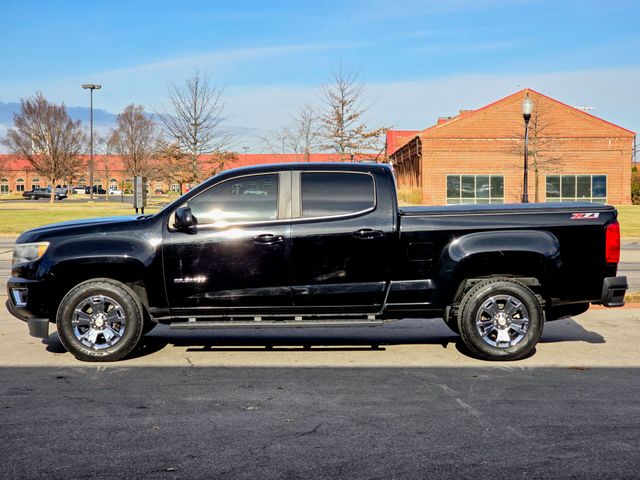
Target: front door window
x,y
240,200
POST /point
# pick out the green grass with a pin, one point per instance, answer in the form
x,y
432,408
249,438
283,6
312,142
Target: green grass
x,y
629,218
15,218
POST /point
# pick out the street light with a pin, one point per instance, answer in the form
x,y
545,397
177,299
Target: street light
x,y
527,108
91,87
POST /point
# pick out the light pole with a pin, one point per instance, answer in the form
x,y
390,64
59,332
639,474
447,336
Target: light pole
x,y
246,149
527,108
91,87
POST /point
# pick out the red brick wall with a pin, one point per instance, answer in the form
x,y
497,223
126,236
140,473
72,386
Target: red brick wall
x,y
490,141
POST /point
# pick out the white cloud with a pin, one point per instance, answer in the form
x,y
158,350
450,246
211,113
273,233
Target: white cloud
x,y
254,110
415,105
204,60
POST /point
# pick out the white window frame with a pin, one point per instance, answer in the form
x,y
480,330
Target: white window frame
x,y
473,200
575,198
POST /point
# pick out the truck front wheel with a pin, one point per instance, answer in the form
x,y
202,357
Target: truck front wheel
x,y
100,320
500,319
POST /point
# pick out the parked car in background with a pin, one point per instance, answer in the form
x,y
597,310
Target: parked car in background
x,y
38,193
158,191
78,190
62,190
115,191
96,189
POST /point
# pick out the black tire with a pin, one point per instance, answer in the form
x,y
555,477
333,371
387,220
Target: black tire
x,y
115,303
504,335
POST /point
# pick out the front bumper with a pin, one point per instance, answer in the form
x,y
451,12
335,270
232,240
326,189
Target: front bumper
x,y
27,302
613,290
38,327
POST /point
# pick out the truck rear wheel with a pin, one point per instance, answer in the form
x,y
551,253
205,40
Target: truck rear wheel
x,y
100,320
500,319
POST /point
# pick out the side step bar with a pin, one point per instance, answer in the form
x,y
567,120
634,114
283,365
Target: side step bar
x,y
273,324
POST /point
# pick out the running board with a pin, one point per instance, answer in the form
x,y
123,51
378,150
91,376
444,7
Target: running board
x,y
273,324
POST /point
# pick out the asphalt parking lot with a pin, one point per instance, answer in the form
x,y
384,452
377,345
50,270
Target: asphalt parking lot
x,y
325,404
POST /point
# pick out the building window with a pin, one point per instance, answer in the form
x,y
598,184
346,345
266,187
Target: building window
x,y
20,185
4,186
475,189
576,188
113,183
175,187
82,182
35,183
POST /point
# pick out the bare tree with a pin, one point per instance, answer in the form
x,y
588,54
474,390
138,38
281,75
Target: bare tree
x,y
45,135
543,157
194,119
133,139
343,127
300,136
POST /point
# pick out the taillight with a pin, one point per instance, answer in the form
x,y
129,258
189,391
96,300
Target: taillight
x,y
612,243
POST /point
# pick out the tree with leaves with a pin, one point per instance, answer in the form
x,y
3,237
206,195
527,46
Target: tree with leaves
x,y
343,129
193,119
133,140
45,135
173,165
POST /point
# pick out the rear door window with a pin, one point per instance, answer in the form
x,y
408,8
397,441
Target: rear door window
x,y
327,194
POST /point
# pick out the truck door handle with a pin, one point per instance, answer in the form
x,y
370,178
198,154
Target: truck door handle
x,y
268,239
368,233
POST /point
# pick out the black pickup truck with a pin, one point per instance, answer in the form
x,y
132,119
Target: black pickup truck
x,y
316,245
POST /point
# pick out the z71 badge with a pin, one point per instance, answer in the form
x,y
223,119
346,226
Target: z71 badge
x,y
584,216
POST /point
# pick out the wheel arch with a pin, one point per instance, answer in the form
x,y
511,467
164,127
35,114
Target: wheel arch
x,y
70,273
529,256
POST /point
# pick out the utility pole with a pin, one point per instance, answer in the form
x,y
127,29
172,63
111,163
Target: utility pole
x,y
91,87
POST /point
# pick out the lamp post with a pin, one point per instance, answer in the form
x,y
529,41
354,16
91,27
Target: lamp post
x,y
91,87
527,108
246,149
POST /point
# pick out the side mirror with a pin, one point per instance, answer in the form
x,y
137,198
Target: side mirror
x,y
184,220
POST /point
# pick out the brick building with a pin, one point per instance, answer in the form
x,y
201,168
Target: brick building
x,y
477,156
474,157
17,175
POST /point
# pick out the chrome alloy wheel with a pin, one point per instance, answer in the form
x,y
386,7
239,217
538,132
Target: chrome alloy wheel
x,y
98,322
502,321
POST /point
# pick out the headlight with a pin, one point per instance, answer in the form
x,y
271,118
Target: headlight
x,y
28,252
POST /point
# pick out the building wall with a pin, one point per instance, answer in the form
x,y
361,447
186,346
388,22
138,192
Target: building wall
x,y
610,157
490,140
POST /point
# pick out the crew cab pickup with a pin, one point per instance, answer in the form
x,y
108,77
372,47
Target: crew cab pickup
x,y
316,245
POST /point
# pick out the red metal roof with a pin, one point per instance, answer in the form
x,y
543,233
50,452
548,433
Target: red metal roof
x,y
10,162
397,138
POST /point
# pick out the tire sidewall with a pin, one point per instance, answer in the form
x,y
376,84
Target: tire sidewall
x,y
474,300
121,294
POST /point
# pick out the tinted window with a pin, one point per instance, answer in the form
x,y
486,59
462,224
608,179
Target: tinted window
x,y
328,194
568,185
599,186
245,199
553,186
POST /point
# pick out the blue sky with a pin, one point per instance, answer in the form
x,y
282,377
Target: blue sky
x,y
420,59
